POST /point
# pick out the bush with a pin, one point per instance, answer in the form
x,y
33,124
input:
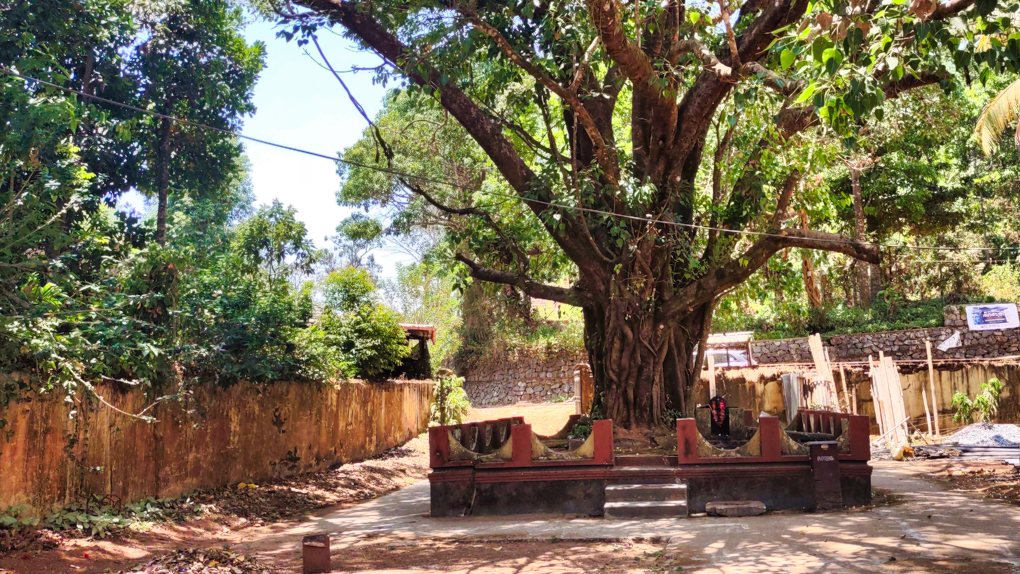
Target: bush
x,y
320,357
370,339
236,324
986,403
450,401
581,429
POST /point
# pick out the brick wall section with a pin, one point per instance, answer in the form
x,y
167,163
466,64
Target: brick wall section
x,y
226,435
531,377
900,345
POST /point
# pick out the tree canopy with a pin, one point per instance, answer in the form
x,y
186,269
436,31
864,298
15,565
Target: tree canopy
x,y
658,145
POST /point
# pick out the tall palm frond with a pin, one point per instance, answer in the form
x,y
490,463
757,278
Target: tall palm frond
x,y
999,114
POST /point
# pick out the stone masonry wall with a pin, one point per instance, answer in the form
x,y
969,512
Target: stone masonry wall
x,y
900,345
522,377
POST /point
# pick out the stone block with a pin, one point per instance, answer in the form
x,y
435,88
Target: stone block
x,y
735,508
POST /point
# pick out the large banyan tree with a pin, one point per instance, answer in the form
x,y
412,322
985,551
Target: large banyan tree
x,y
660,144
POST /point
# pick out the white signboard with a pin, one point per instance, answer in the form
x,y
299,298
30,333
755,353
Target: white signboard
x,y
950,343
992,317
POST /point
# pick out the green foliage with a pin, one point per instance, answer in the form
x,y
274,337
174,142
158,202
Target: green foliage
x,y
963,408
793,318
366,335
276,241
496,325
671,416
103,520
986,403
581,429
355,238
348,289
1002,282
449,401
192,62
424,293
369,338
17,517
319,356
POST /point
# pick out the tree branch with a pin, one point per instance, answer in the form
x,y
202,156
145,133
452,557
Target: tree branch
x,y
707,57
522,258
634,64
737,270
568,295
476,122
583,66
951,8
710,89
604,152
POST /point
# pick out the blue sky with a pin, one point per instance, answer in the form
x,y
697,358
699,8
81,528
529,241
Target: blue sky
x,y
301,104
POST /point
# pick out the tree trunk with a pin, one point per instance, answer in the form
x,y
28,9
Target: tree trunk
x,y
163,178
642,368
867,274
807,270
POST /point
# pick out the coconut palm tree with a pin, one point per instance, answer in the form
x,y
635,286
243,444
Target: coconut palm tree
x,y
1000,113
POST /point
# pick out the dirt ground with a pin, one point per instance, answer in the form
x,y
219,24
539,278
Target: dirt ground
x,y
544,419
498,556
988,478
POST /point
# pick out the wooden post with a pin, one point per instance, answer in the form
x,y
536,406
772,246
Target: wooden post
x,y
927,413
711,377
931,384
876,395
850,407
831,381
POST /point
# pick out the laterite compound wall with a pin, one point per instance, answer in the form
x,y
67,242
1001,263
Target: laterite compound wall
x,y
220,436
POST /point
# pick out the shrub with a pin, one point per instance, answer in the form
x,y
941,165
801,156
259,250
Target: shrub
x,y
370,339
581,429
320,357
986,403
964,408
450,401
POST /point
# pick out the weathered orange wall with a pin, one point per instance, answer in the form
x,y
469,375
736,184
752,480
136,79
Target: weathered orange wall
x,y
220,436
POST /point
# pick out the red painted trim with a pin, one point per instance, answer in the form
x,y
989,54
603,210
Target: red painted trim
x,y
771,445
603,431
457,475
521,437
439,446
769,431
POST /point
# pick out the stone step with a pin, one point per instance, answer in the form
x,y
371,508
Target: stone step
x,y
645,492
735,508
647,509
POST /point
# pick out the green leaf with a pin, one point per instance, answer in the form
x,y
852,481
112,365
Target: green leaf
x,y
807,93
786,58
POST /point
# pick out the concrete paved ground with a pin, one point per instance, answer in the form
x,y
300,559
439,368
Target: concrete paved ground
x,y
924,529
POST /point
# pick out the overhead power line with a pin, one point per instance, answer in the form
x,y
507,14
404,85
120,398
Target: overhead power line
x,y
429,179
